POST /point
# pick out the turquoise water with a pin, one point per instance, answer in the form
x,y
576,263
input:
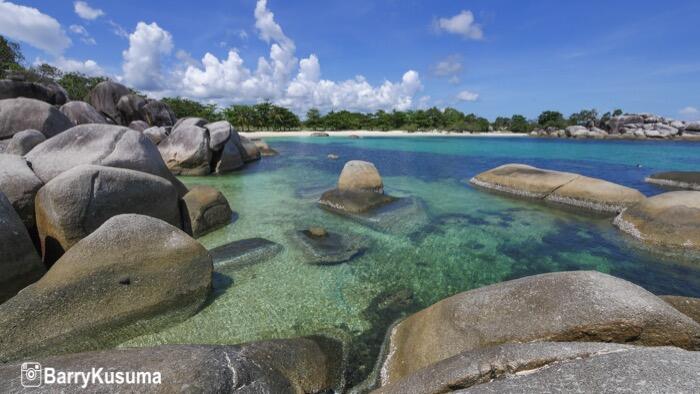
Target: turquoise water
x,y
455,238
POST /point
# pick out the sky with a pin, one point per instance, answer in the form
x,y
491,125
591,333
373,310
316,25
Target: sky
x,y
489,57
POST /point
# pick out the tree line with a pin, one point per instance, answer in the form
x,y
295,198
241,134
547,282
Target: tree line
x,y
267,116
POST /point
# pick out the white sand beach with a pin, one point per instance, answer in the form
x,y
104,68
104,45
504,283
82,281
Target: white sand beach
x,y
369,133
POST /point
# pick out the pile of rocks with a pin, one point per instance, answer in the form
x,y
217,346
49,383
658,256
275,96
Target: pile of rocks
x,y
629,126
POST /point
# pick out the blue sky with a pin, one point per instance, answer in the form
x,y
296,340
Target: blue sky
x,y
485,56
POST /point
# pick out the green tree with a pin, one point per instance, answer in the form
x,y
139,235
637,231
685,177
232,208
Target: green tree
x,y
584,117
78,85
551,119
11,57
183,108
519,124
313,119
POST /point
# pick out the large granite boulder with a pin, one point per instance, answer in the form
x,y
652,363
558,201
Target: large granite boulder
x,y
138,125
130,107
189,122
157,113
219,133
688,306
669,220
230,157
80,112
156,134
21,143
207,208
58,95
558,367
97,295
559,187
566,306
186,151
78,201
298,365
360,175
244,253
676,179
22,114
249,151
100,144
19,263
13,89
19,184
105,96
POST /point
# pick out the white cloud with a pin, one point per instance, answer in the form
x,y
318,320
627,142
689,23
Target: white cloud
x,y
29,25
142,60
83,33
690,113
84,10
88,67
242,34
462,24
448,66
118,30
287,81
466,95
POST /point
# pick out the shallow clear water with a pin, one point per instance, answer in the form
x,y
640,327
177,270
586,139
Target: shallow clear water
x,y
466,238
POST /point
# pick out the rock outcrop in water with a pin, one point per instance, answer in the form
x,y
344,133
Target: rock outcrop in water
x,y
324,248
559,187
670,220
297,365
689,180
568,306
628,126
360,189
97,295
207,209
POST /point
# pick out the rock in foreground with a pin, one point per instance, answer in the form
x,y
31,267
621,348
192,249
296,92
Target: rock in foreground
x,y
21,143
208,210
19,263
299,365
669,220
676,179
580,367
20,185
97,296
565,306
559,187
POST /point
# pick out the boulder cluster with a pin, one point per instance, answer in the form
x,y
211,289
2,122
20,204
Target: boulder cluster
x,y
670,220
629,126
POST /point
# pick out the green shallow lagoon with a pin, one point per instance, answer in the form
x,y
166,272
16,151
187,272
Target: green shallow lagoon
x,y
466,238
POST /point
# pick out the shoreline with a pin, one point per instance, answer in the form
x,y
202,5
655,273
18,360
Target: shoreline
x,y
374,133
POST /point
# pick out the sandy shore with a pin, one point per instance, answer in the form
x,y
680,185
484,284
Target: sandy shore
x,y
367,133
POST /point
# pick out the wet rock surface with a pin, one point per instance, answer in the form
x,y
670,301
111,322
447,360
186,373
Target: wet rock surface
x,y
207,210
689,180
243,253
324,248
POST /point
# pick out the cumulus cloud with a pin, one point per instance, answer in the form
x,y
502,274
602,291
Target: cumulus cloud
x,y
462,24
449,66
466,95
118,30
29,25
285,80
87,67
84,10
83,33
142,60
690,113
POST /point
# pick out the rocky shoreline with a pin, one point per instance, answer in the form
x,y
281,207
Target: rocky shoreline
x,y
97,246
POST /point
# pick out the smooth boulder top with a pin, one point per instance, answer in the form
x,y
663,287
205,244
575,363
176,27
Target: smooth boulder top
x,y
156,134
24,141
297,365
676,179
78,201
100,144
130,107
219,133
157,113
565,306
244,253
97,296
80,112
637,370
22,113
186,150
20,185
54,95
360,175
207,208
19,263
559,187
481,366
138,125
105,96
249,151
188,122
669,220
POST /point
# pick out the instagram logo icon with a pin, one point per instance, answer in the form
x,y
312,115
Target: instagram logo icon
x,y
31,374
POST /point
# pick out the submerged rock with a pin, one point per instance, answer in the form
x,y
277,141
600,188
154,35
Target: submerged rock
x,y
560,367
80,112
297,365
20,185
322,247
208,210
669,220
353,201
186,150
676,179
100,144
559,187
20,265
77,202
566,306
96,296
264,148
22,114
243,253
21,143
360,175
